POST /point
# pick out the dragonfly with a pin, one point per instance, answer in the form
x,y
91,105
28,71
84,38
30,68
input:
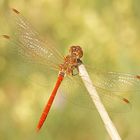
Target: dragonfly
x,y
32,46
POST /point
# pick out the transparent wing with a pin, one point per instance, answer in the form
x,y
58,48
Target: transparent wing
x,y
115,82
73,90
36,53
30,43
116,102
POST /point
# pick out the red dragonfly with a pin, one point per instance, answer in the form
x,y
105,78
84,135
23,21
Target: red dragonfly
x,y
30,45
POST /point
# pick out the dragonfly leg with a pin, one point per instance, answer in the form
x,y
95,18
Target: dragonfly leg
x,y
74,74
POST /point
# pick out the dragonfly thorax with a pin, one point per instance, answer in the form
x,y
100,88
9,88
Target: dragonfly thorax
x,y
72,60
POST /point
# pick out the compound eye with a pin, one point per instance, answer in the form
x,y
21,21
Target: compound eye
x,y
73,48
76,50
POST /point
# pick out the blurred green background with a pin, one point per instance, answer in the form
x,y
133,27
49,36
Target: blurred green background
x,y
107,30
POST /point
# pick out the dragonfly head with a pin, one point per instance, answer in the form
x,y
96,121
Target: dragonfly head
x,y
76,51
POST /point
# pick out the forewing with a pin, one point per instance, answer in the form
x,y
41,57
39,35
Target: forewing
x,y
115,82
30,43
36,53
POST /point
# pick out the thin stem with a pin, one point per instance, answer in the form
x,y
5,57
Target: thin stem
x,y
112,131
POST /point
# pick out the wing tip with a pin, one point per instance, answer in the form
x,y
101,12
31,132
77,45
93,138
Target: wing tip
x,y
15,11
126,100
6,36
138,77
